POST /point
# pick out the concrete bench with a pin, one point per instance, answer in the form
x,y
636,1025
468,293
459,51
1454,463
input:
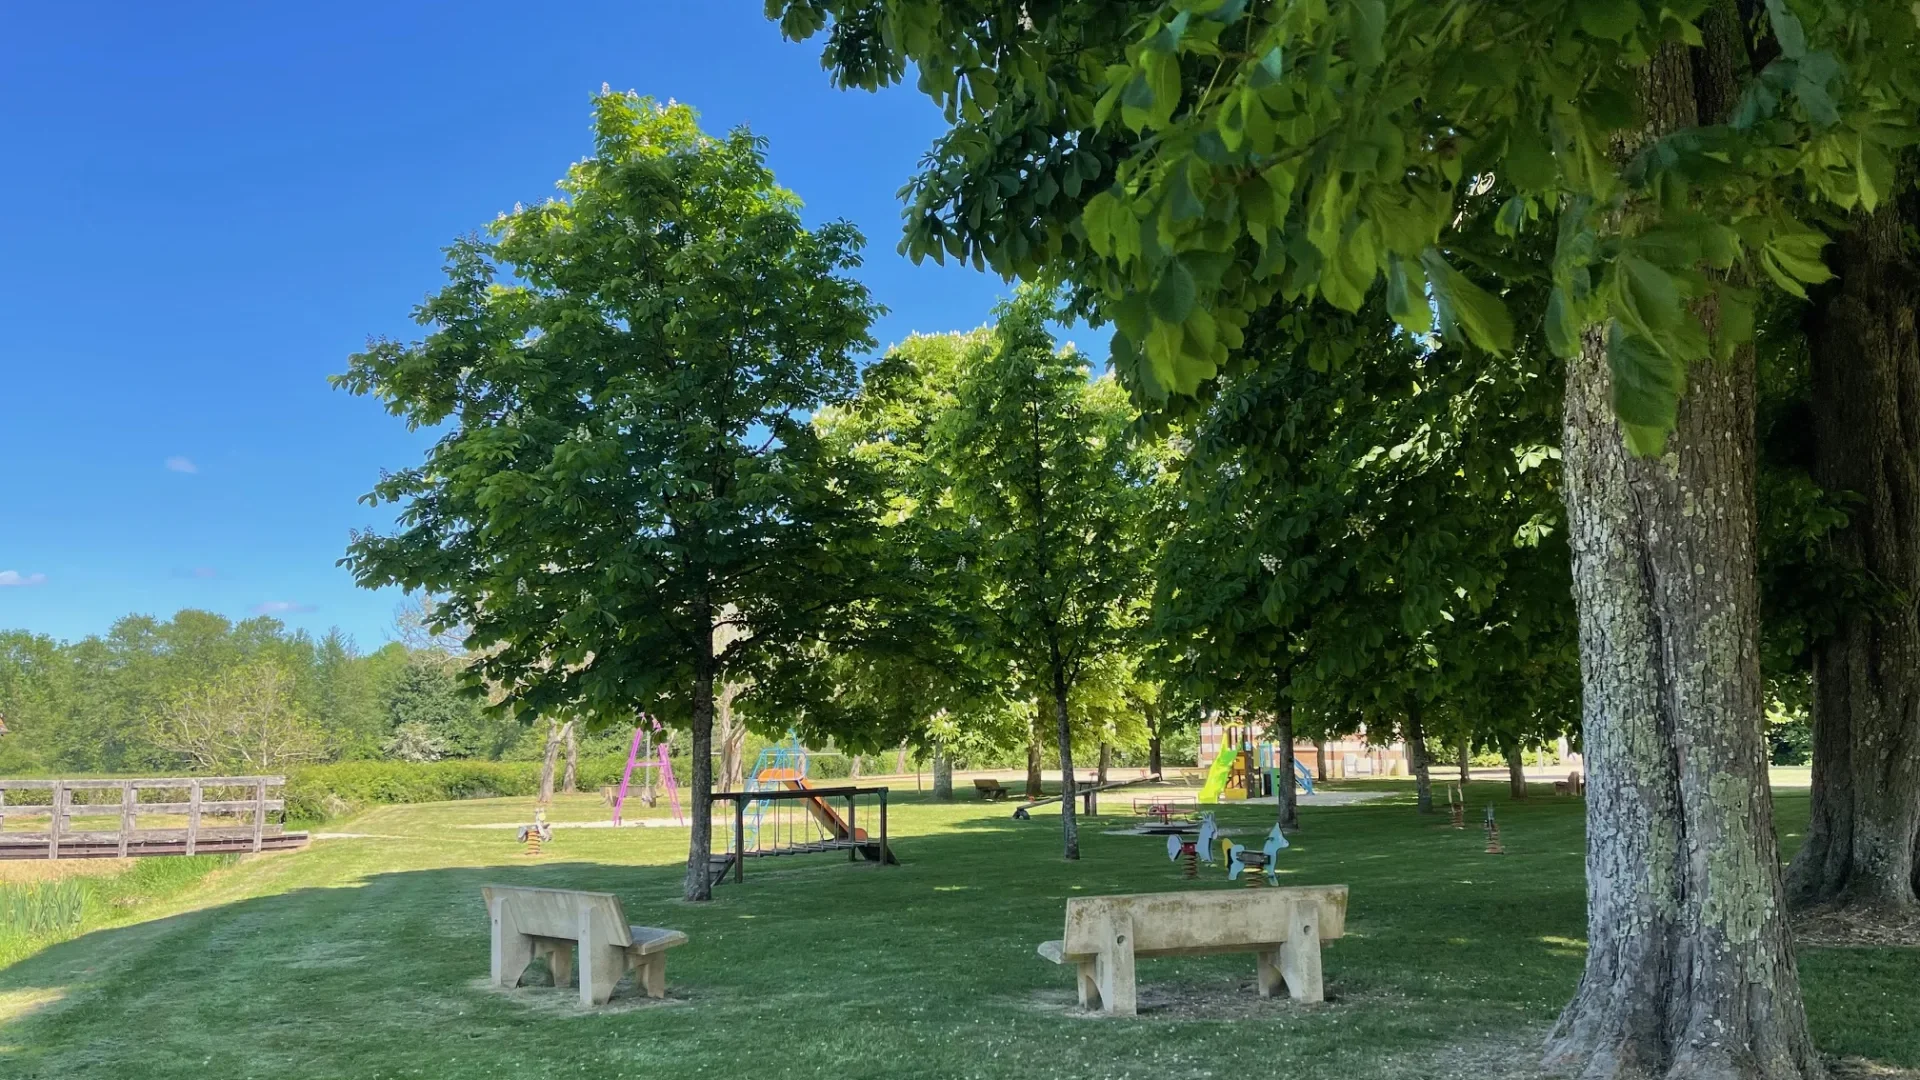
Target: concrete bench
x,y
990,789
554,924
1283,928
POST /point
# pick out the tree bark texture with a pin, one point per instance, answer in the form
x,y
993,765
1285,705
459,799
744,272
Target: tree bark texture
x,y
1033,755
699,885
1862,840
732,736
1286,800
547,762
1417,759
1069,819
942,775
1106,762
1152,716
1690,970
1516,771
1466,763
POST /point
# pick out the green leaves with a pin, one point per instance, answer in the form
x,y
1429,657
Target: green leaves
x,y
1792,258
1407,298
631,371
1467,306
1609,19
1172,298
1647,384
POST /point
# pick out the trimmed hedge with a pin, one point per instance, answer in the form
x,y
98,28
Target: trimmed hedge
x,y
319,792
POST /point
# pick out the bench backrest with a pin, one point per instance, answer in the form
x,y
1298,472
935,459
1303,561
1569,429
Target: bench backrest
x,y
556,912
1177,922
986,783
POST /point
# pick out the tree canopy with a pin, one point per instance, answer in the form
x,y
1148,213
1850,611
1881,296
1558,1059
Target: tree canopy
x,y
630,500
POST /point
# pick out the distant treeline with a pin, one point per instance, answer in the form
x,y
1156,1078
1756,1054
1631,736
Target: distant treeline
x,y
201,693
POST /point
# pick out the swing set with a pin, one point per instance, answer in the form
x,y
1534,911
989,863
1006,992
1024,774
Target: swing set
x,y
647,744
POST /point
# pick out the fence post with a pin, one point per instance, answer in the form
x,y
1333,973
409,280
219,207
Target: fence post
x,y
259,812
193,815
128,793
56,823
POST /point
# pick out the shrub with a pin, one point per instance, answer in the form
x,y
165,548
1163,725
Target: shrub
x,y
318,792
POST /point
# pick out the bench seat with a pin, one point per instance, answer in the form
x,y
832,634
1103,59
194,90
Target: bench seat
x,y
1282,927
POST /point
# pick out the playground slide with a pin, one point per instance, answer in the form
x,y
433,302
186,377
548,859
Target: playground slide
x,y
829,819
1305,777
1217,776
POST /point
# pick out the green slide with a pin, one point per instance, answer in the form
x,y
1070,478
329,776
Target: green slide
x,y
1217,775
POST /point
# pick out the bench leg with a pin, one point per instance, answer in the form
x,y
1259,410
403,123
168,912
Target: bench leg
x,y
1267,972
600,967
1088,984
1114,967
512,952
650,974
559,957
1300,955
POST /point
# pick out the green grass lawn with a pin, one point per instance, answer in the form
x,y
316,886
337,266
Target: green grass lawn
x,y
366,958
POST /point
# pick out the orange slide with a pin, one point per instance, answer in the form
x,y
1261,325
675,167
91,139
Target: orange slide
x,y
829,819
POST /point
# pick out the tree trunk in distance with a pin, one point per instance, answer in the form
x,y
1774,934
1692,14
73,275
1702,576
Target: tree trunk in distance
x,y
853,766
1690,970
1153,739
1516,771
1069,818
1285,799
1417,758
732,736
570,780
1106,761
1864,830
547,762
1320,762
1034,790
900,760
699,885
942,775
1466,763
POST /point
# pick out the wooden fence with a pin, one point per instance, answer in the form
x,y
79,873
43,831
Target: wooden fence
x,y
221,824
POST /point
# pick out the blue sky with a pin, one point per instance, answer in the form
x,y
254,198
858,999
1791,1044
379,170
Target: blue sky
x,y
208,207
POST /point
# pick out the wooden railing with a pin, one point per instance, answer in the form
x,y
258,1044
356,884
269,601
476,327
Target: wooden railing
x,y
252,830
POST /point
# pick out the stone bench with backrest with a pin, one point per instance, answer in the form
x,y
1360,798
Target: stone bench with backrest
x,y
1282,927
557,924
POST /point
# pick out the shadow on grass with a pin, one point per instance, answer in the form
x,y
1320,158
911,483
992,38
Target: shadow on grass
x,y
814,966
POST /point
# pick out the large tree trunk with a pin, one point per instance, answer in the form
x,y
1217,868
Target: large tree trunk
x,y
1069,820
1865,828
1417,759
547,762
942,775
1286,801
699,885
1320,762
1153,739
1034,790
570,780
1690,969
1516,771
